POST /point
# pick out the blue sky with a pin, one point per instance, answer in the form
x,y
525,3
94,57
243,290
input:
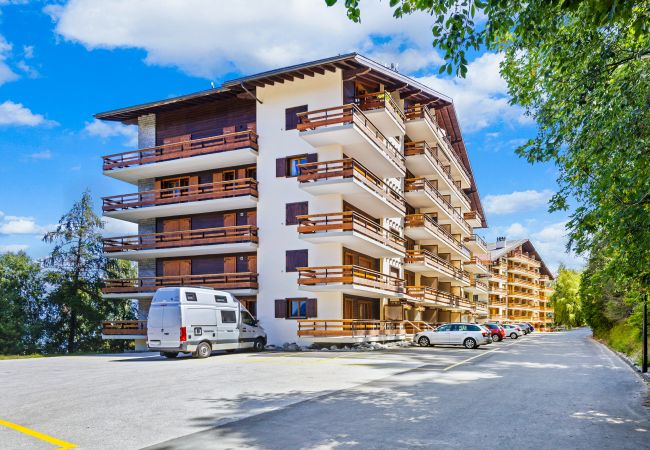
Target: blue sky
x,y
62,62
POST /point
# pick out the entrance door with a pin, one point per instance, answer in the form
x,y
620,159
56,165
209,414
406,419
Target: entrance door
x,y
229,264
177,269
229,220
252,263
173,226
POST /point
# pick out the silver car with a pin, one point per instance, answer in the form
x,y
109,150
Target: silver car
x,y
468,335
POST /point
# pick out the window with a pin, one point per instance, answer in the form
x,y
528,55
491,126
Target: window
x,y
292,165
295,259
291,116
473,328
288,166
190,296
297,308
220,299
247,319
293,210
174,187
444,328
228,317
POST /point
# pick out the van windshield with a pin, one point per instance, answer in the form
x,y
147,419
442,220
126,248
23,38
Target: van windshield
x,y
165,296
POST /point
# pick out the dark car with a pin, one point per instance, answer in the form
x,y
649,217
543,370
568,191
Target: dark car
x,y
496,331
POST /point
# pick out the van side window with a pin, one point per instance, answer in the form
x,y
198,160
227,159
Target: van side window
x,y
190,296
220,299
228,317
247,319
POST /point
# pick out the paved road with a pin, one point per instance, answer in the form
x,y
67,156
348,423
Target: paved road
x,y
541,391
544,391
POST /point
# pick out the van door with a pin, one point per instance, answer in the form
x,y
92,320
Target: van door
x,y
227,329
155,326
248,329
171,329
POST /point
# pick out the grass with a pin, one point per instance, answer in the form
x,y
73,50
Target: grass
x,y
626,339
35,355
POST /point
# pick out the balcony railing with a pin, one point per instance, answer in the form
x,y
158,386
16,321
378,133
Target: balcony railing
x,y
185,149
424,185
186,238
380,100
182,194
478,240
430,223
124,328
472,215
350,168
346,114
422,256
513,267
350,221
350,328
526,257
224,281
427,293
349,274
477,283
513,280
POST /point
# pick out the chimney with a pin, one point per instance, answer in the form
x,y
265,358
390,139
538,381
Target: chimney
x,y
501,242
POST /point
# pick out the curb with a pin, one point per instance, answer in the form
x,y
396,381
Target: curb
x,y
644,376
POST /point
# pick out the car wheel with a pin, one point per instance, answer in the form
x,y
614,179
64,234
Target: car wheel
x,y
258,345
203,350
513,336
499,338
424,341
170,355
470,343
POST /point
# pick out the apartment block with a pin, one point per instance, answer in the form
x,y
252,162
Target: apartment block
x,y
520,284
334,198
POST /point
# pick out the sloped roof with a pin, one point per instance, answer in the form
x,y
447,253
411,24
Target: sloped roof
x,y
526,246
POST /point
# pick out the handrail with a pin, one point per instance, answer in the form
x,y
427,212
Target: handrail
x,y
428,221
350,221
350,113
519,254
350,168
182,194
349,327
226,281
184,238
422,255
349,274
425,185
184,149
432,294
379,100
478,239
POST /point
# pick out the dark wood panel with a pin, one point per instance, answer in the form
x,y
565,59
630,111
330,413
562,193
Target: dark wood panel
x,y
209,220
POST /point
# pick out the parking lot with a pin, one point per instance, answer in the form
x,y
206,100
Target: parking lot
x,y
547,391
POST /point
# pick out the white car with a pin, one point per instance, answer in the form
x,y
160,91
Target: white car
x,y
468,335
513,331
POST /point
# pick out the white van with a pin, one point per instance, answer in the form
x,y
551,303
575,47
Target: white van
x,y
199,320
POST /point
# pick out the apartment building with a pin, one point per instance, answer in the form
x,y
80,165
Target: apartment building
x,y
520,284
334,198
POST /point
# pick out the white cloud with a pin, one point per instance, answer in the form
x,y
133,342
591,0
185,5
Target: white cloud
x,y
550,242
45,154
481,99
16,114
516,231
206,38
517,201
6,74
10,225
106,130
13,248
116,227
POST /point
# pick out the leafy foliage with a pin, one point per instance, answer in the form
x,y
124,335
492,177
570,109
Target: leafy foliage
x,y
566,298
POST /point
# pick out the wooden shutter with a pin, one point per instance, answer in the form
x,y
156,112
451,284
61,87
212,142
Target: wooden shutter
x,y
229,264
252,263
281,309
291,116
228,130
312,157
312,310
252,218
296,258
229,220
281,167
293,210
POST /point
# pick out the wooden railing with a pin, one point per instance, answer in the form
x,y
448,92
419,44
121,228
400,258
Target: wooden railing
x,y
431,223
478,262
513,280
182,194
477,283
472,215
186,238
416,326
524,256
423,256
427,293
513,267
350,168
478,239
422,184
522,294
350,221
224,281
349,274
124,327
349,328
499,276
345,114
184,149
380,100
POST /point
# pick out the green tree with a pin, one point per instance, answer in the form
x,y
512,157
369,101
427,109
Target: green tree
x,y
24,311
566,298
76,270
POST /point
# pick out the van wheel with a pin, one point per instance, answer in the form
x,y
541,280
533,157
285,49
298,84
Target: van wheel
x,y
258,345
170,355
203,350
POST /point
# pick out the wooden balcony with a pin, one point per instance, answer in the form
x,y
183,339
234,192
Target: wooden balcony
x,y
357,184
351,330
360,139
476,286
425,229
350,279
518,268
432,265
226,150
422,125
473,218
243,283
124,329
354,231
522,282
427,294
193,199
421,193
522,294
476,244
382,109
477,265
236,239
523,257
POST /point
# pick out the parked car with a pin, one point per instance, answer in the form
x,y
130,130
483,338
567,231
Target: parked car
x,y
198,321
530,327
513,331
466,334
524,327
496,331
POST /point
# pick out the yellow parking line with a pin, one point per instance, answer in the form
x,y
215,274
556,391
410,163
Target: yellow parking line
x,y
476,356
61,445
